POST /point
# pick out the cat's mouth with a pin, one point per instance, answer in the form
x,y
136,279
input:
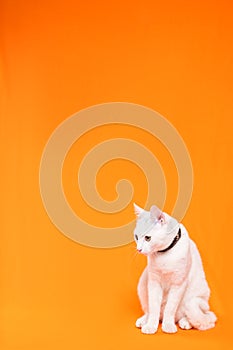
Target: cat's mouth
x,y
143,252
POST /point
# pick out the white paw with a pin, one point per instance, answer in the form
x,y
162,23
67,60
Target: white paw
x,y
149,329
184,323
141,321
207,321
169,327
205,326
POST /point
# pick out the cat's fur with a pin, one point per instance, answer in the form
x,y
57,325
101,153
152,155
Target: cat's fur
x,y
172,288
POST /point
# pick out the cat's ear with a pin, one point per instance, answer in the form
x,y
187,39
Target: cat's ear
x,y
157,214
138,211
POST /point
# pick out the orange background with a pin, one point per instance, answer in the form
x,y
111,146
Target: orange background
x,y
57,58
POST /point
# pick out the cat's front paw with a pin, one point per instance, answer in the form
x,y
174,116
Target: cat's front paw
x,y
149,329
169,327
141,321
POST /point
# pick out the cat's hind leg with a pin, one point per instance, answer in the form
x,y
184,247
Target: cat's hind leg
x,y
198,314
181,318
143,297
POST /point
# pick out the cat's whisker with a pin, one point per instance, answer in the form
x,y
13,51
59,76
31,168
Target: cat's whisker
x,y
133,256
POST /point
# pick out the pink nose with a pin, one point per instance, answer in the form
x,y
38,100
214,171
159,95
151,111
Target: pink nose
x,y
139,250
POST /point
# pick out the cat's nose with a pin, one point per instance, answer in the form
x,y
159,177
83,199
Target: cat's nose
x,y
139,250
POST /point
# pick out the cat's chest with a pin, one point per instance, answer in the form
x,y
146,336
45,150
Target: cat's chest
x,y
166,270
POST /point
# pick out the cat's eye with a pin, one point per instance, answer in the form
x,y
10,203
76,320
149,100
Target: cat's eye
x,y
147,238
136,237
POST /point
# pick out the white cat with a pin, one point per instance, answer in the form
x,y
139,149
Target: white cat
x,y
172,288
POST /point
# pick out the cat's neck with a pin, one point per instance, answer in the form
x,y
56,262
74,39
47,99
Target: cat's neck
x,y
173,243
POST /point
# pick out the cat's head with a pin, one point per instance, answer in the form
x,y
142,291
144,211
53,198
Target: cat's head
x,y
154,229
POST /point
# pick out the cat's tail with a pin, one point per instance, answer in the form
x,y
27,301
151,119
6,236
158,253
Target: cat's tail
x,y
199,315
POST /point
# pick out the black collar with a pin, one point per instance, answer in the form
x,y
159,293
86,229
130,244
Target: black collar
x,y
175,240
